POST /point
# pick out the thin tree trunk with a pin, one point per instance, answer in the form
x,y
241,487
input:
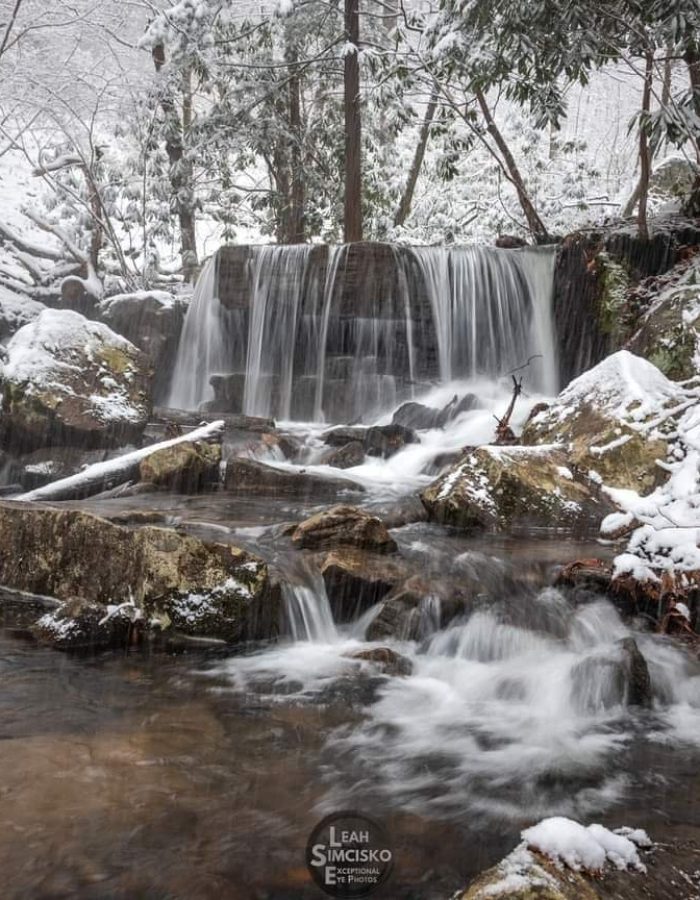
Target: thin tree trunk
x,y
644,149
407,198
534,222
297,224
353,126
180,168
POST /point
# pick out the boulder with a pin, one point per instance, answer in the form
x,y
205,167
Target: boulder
x,y
344,434
72,382
387,660
246,476
356,580
81,625
186,467
16,310
416,416
171,579
512,489
345,457
77,296
669,333
152,321
385,440
344,525
229,391
600,419
417,608
638,687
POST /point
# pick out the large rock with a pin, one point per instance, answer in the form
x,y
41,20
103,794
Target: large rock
x,y
385,440
512,489
152,321
356,580
669,333
345,457
186,467
174,580
344,525
16,310
73,382
246,476
600,419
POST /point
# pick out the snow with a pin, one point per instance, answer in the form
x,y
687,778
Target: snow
x,y
164,299
17,310
588,848
50,353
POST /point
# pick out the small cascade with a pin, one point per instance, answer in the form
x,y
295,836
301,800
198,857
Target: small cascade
x,y
308,612
341,334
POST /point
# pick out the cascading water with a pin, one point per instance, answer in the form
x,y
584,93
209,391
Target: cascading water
x,y
348,333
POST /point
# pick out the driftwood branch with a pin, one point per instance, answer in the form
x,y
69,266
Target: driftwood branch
x,y
104,476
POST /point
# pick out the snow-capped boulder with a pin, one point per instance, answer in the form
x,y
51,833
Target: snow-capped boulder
x,y
171,580
605,421
67,380
669,332
16,310
513,489
152,320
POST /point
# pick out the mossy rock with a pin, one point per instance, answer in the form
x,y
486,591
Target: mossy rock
x,y
186,467
513,489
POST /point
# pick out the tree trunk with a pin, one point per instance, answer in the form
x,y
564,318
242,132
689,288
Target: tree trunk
x,y
644,149
181,175
692,59
407,199
353,129
297,225
534,222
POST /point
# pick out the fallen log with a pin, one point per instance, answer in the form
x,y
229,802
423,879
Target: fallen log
x,y
106,475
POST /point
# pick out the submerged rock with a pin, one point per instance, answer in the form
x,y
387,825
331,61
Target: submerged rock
x,y
345,457
389,661
246,476
512,489
72,382
186,467
173,580
600,419
344,525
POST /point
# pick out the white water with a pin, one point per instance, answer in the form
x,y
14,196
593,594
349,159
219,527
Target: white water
x,y
302,353
516,711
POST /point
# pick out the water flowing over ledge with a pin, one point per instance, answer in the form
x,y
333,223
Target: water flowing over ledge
x,y
331,334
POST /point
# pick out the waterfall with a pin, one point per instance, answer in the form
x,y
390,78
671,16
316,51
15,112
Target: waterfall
x,y
335,334
308,611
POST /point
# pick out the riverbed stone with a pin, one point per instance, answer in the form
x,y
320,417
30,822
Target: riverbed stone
x,y
387,660
345,457
344,525
186,467
73,382
249,477
356,579
174,580
512,489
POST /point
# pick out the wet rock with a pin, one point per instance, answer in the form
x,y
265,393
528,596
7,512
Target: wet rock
x,y
246,476
459,405
598,418
288,446
386,440
637,677
344,525
356,580
16,310
72,382
81,625
187,467
405,511
345,434
512,489
389,661
174,580
415,609
345,457
152,321
229,391
416,416
41,467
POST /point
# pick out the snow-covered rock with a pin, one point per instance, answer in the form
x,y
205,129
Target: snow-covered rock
x,y
67,380
16,310
152,320
514,488
607,419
